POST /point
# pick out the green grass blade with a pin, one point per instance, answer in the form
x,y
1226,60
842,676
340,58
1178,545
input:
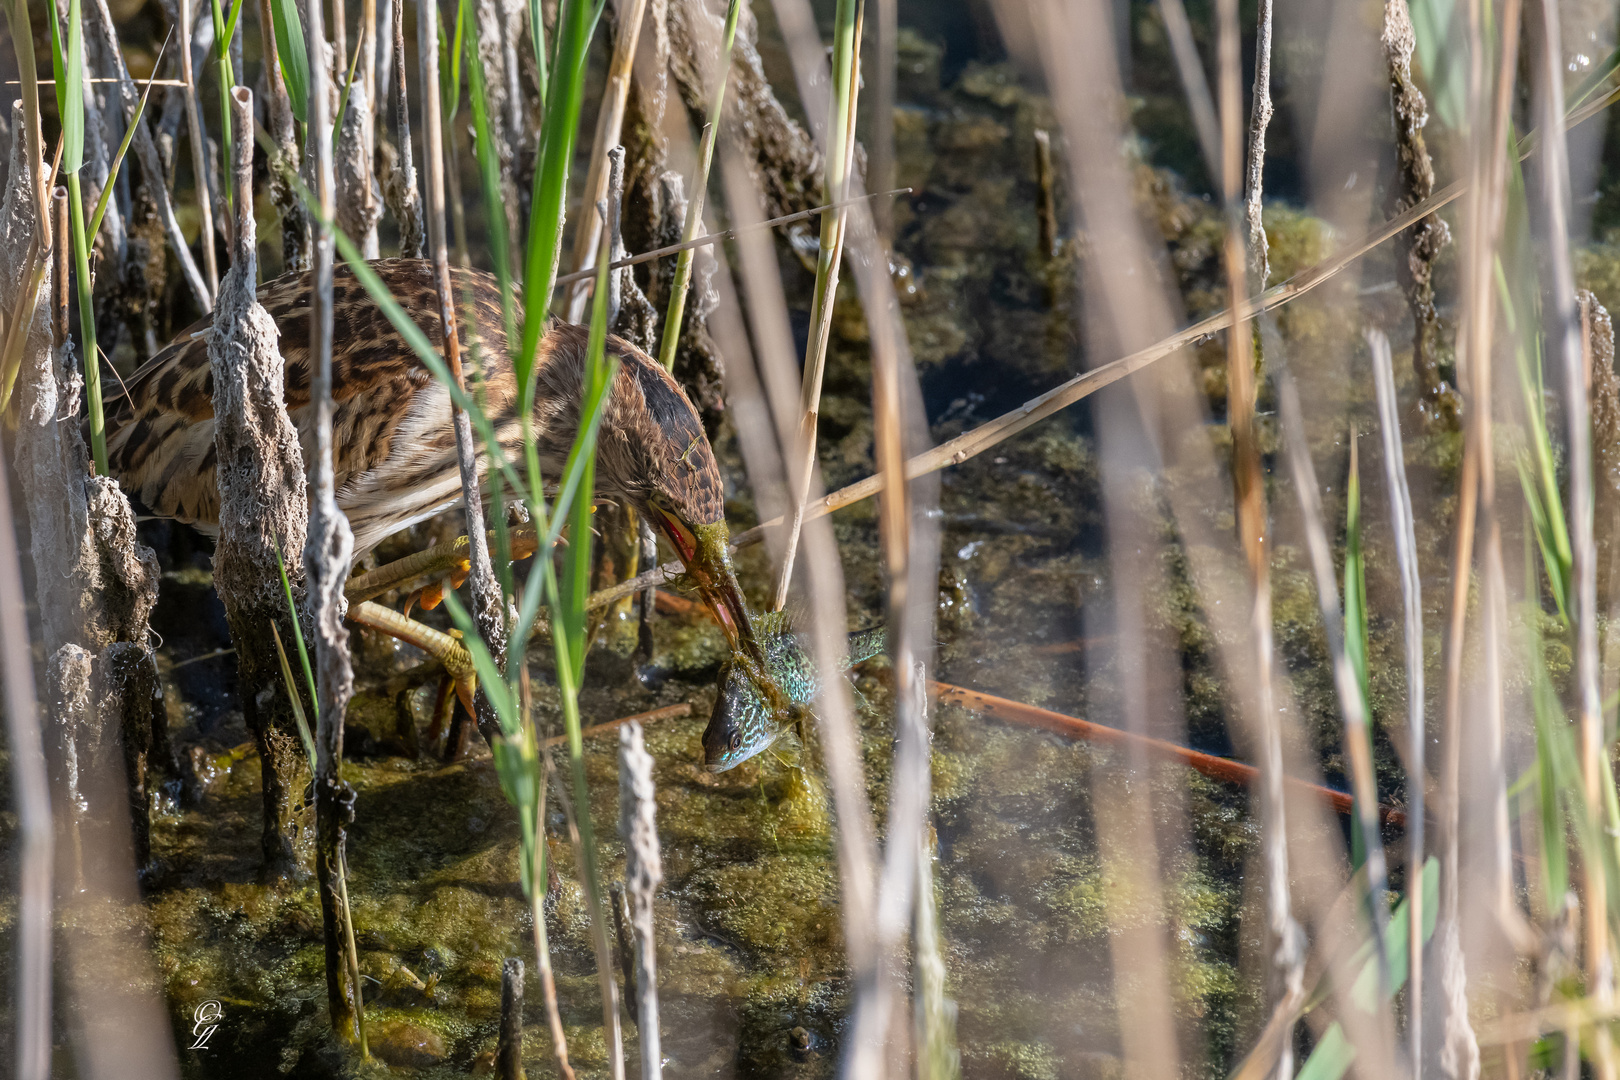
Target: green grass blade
x,y
576,24
298,628
292,53
1355,618
299,718
537,40
90,355
343,102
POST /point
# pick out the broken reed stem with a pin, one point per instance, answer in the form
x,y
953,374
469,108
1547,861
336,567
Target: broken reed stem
x,y
488,607
694,208
1259,121
1046,199
1403,525
1564,342
1423,243
509,1047
327,554
31,797
1357,740
643,873
609,121
408,199
1249,502
839,146
199,152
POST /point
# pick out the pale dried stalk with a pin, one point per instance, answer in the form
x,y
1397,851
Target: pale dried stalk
x,y
1259,120
643,873
263,508
405,198
1194,83
764,443
609,121
838,142
32,994
1357,739
199,151
146,152
1249,498
1564,343
1422,245
1403,525
295,236
486,590
357,208
1489,115
327,554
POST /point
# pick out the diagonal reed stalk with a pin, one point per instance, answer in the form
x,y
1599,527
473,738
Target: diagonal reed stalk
x,y
201,172
839,150
609,121
673,316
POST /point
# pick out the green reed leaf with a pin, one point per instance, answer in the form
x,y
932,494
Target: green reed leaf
x,y
292,52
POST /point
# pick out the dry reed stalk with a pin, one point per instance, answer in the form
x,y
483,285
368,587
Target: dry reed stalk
x,y
31,1041
263,508
509,1046
1194,83
880,154
31,1001
295,237
327,553
643,873
101,23
609,121
1403,525
837,139
405,198
1082,73
1357,738
200,167
1565,345
487,605
1249,500
1489,117
1421,246
764,443
1259,121
357,208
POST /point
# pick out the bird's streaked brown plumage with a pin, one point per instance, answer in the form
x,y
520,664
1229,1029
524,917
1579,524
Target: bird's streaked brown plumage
x,y
396,455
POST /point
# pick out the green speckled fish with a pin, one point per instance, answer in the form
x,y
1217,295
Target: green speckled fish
x,y
743,723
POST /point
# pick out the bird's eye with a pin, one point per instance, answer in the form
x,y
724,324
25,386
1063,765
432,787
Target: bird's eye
x,y
736,741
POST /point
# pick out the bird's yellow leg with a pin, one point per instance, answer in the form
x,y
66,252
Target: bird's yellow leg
x,y
441,560
457,661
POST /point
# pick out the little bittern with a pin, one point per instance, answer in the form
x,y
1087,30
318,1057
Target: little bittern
x,y
395,447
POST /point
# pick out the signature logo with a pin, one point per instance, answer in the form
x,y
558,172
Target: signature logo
x,y
205,1021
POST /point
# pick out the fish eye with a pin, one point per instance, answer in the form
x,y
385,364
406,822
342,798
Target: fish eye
x,y
736,741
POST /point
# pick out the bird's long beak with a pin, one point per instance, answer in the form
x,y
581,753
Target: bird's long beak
x,y
706,551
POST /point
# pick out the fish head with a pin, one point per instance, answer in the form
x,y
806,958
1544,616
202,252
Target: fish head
x,y
744,722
